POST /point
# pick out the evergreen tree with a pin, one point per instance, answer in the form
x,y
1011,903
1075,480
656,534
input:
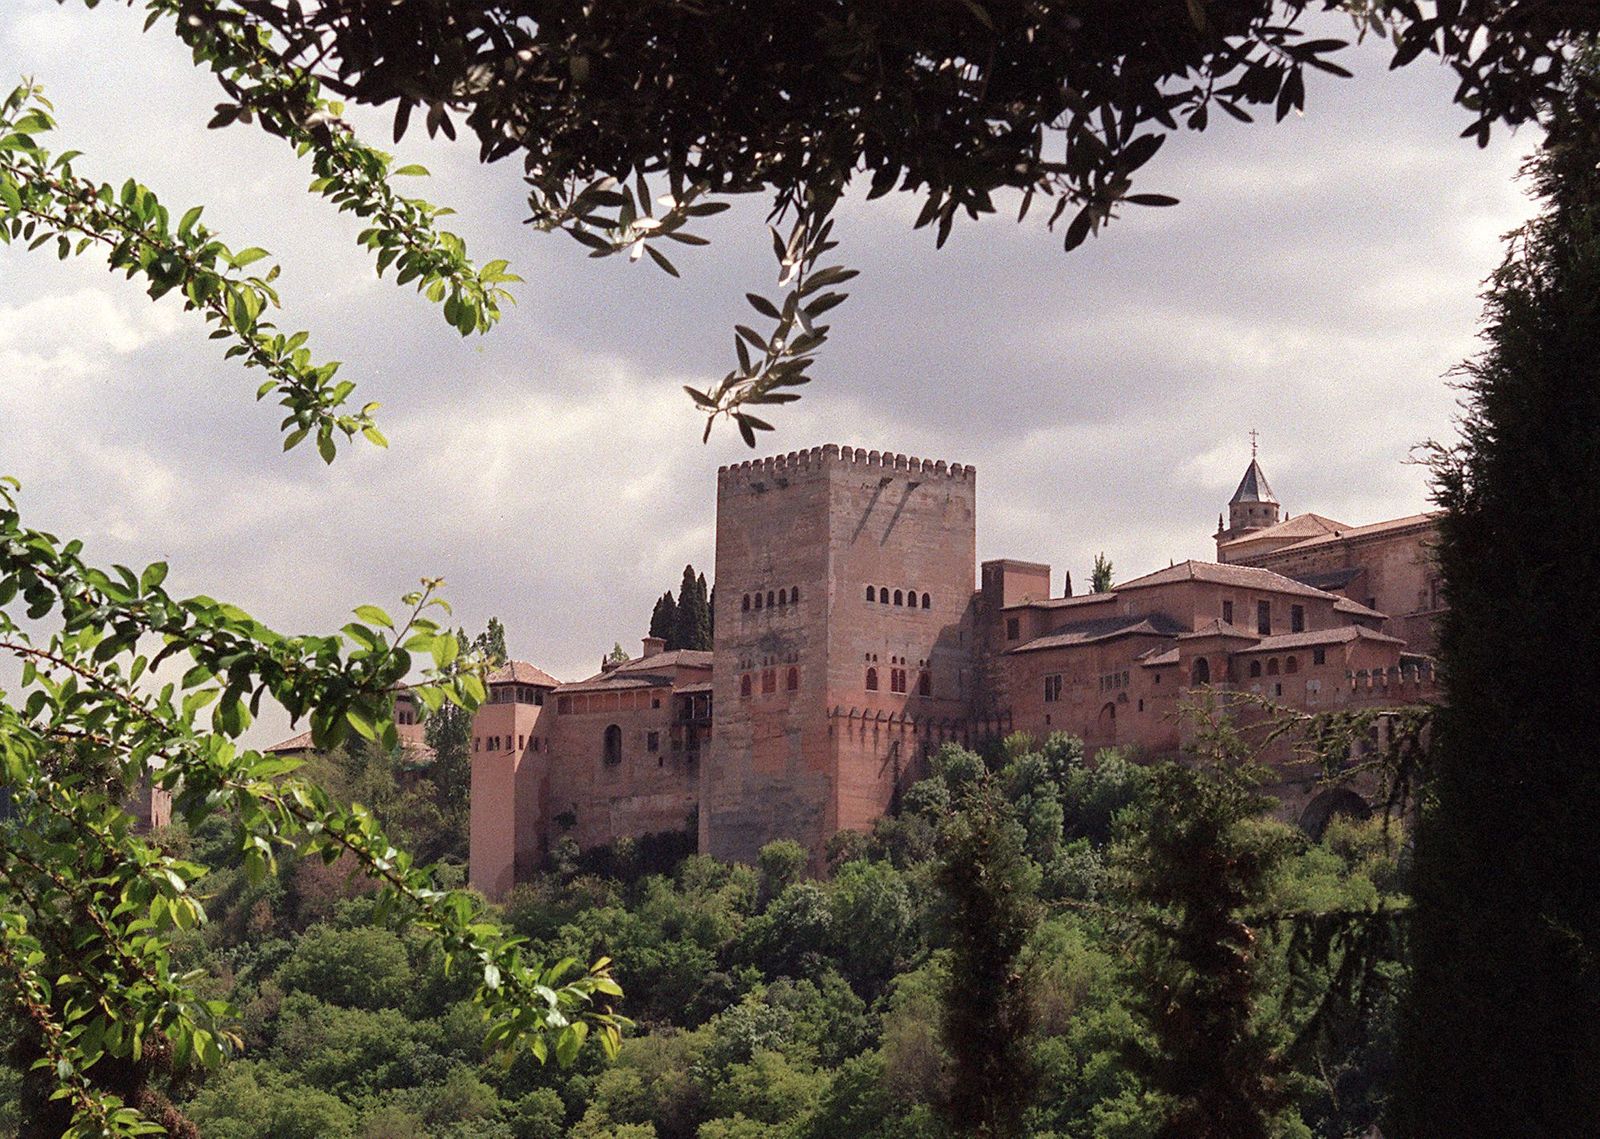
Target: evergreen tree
x,y
706,596
990,907
692,623
663,618
1195,867
1100,578
492,643
1501,1035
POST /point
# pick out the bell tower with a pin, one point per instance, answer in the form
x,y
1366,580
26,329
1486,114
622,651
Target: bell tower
x,y
1253,506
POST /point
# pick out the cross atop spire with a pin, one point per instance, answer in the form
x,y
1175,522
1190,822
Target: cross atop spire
x,y
1252,444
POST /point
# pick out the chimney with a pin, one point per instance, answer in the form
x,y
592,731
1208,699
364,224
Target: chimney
x,y
654,645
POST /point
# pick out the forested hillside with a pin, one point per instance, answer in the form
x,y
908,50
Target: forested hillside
x,y
1034,945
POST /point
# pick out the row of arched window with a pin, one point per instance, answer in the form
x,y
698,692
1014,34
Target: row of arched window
x,y
775,599
902,597
769,682
898,681
1200,671
503,743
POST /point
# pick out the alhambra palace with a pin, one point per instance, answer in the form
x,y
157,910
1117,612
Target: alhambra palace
x,y
852,639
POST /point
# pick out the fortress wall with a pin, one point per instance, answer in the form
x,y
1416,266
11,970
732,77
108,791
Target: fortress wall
x,y
645,792
830,521
507,804
908,526
764,775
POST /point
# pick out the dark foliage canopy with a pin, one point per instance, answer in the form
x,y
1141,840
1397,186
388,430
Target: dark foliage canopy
x,y
1503,1031
958,102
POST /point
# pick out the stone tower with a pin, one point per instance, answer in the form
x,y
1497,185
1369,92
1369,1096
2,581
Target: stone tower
x,y
843,640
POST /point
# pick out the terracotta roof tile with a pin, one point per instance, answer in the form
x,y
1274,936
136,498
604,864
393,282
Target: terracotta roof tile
x,y
1065,602
1356,609
673,658
1217,627
1241,577
1341,635
1372,530
1104,629
1157,658
521,672
1301,526
301,742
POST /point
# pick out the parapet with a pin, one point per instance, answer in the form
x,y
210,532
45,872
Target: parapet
x,y
817,457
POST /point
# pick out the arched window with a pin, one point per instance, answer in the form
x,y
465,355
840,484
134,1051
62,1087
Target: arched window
x,y
925,683
872,680
927,602
783,598
1201,673
746,603
872,594
769,599
1272,666
613,745
758,601
744,685
1255,668
1291,665
883,595
899,598
793,681
794,595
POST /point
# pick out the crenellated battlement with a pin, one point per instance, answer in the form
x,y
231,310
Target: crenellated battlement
x,y
817,457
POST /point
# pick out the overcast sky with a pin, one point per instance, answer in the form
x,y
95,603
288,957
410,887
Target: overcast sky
x,y
1318,282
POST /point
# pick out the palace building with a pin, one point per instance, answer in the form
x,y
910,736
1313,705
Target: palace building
x,y
853,637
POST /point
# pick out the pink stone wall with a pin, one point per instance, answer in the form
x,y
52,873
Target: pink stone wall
x,y
833,522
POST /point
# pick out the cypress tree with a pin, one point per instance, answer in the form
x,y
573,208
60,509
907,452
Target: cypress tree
x,y
663,619
692,622
990,907
1195,866
703,627
1501,1032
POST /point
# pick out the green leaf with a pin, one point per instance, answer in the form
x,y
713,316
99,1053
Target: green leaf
x,y
361,723
374,615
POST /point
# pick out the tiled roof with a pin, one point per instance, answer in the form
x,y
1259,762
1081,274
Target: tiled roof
x,y
694,689
1217,627
1103,629
1156,658
1301,526
1340,635
655,671
674,658
1358,532
1253,487
1241,577
416,755
1065,602
610,682
1356,609
301,742
521,672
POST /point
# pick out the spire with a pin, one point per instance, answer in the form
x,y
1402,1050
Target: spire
x,y
1253,487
